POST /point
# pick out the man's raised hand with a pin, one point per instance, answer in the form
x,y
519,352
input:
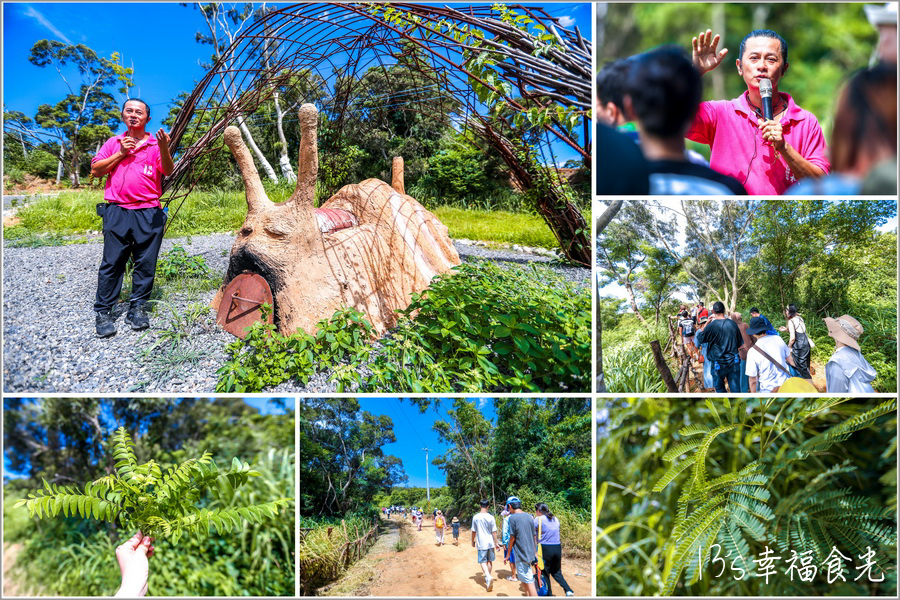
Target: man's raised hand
x,y
704,55
162,137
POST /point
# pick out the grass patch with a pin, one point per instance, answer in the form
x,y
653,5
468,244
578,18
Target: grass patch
x,y
218,211
497,226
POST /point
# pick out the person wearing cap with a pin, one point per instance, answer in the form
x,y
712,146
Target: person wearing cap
x,y
724,339
847,371
754,312
884,20
440,525
767,359
509,554
521,539
765,156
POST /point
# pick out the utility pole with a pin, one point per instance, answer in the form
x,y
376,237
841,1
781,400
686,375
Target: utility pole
x,y
427,486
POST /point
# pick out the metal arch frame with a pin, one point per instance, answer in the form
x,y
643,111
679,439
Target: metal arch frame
x,y
312,36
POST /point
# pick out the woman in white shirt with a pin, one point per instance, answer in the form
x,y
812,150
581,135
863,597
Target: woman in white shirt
x,y
847,371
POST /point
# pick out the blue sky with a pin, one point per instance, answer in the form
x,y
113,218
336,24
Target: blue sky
x,y
414,431
157,38
265,406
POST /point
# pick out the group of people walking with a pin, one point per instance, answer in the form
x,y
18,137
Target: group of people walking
x,y
529,543
753,358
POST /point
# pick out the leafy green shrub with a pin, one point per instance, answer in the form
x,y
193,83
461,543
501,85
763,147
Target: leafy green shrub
x,y
480,327
266,357
631,369
177,263
14,177
41,164
483,327
141,497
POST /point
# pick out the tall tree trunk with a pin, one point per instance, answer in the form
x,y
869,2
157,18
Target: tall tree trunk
x,y
22,141
59,163
630,293
267,168
287,171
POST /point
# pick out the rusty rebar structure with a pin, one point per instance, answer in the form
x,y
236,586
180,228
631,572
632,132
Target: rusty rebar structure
x,y
338,43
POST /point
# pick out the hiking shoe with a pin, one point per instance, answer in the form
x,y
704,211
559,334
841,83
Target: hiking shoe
x,y
489,582
105,325
570,593
137,318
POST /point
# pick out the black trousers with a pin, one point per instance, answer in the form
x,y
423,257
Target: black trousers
x,y
552,554
135,233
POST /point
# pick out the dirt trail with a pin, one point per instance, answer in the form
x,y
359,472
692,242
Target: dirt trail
x,y
10,586
425,569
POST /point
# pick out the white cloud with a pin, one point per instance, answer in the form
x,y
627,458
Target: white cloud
x,y
566,21
31,12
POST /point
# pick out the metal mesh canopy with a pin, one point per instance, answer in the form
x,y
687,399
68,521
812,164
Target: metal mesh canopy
x,y
335,45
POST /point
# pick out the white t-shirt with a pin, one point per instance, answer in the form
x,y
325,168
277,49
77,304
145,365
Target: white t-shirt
x,y
759,366
484,526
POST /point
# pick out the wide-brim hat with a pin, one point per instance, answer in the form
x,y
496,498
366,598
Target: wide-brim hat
x,y
845,329
702,320
756,326
881,14
455,520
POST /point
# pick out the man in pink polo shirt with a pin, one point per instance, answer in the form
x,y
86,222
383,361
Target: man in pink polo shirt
x,y
133,220
767,157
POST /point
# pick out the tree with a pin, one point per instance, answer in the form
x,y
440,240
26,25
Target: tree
x,y
659,278
87,114
622,249
224,23
717,244
344,465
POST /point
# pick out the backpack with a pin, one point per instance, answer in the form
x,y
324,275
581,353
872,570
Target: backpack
x,y
439,522
687,327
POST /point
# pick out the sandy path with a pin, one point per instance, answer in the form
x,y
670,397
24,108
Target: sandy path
x,y
425,569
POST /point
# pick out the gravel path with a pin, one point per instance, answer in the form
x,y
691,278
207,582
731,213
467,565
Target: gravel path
x,y
49,344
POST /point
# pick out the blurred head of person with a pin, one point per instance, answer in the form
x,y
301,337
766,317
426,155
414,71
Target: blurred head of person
x,y
662,93
884,20
763,54
865,121
610,92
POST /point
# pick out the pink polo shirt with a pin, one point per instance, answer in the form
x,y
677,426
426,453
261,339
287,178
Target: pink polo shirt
x,y
737,148
136,181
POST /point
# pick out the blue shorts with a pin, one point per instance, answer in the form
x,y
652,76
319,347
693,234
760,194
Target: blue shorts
x,y
524,572
486,556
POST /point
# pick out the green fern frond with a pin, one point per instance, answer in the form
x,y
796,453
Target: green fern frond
x,y
51,500
842,431
673,472
680,449
692,430
141,498
699,471
123,454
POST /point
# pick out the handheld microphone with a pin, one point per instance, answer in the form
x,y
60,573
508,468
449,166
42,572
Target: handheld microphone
x,y
765,91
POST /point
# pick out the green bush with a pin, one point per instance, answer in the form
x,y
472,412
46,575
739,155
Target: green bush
x,y
484,327
41,163
480,327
